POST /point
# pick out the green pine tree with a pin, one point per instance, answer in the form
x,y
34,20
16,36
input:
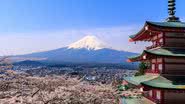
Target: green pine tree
x,y
142,69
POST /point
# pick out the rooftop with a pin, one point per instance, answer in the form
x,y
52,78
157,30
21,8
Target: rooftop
x,y
158,81
167,82
167,24
138,79
156,28
172,52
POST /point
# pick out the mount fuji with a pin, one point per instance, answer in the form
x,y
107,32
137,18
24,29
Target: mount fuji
x,y
89,43
89,49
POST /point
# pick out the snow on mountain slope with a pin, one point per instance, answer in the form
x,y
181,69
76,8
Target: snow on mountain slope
x,y
88,42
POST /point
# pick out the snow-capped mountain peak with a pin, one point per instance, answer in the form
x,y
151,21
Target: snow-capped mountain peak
x,y
88,42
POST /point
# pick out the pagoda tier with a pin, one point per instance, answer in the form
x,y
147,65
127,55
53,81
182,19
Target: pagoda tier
x,y
159,52
173,82
165,89
161,89
151,29
162,34
164,95
163,60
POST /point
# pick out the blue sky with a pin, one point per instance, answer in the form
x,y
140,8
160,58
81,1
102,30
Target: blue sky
x,y
35,25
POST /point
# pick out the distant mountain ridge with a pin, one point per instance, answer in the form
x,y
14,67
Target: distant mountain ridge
x,y
28,62
89,49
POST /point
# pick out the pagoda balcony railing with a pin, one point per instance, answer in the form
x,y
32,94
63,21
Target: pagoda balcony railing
x,y
146,95
150,47
154,46
156,101
152,71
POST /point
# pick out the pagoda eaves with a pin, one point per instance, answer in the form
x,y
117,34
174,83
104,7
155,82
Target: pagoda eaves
x,y
166,52
154,28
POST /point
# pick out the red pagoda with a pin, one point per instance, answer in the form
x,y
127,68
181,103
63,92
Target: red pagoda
x,y
164,80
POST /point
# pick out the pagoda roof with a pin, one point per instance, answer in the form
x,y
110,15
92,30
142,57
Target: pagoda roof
x,y
168,24
171,52
166,82
158,81
154,28
138,79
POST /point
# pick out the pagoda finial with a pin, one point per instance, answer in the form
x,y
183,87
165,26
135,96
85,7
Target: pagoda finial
x,y
171,11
